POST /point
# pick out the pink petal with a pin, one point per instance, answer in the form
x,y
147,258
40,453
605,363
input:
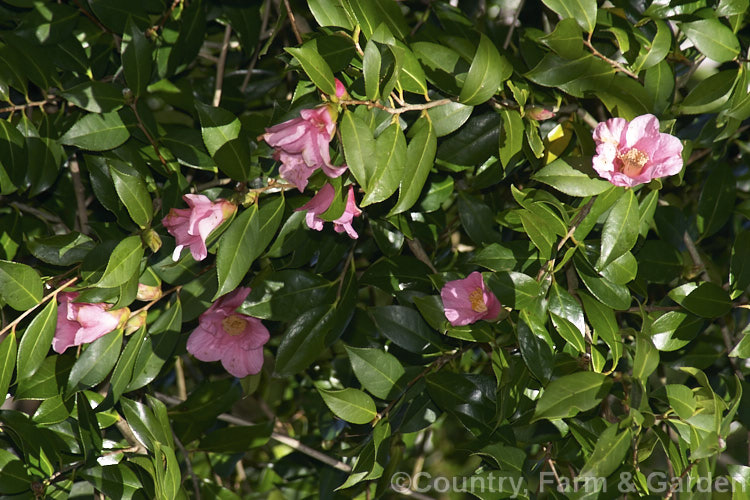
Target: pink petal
x,y
255,334
205,346
641,132
321,201
241,363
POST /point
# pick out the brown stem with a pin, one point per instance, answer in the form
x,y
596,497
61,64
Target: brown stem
x,y
47,297
80,194
293,22
220,66
513,25
256,54
21,107
399,110
617,66
142,127
547,268
163,19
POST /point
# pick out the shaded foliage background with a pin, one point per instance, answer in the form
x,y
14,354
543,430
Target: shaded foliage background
x,y
623,347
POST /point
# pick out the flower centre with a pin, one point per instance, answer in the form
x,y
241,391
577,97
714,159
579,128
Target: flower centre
x,y
633,162
234,324
477,301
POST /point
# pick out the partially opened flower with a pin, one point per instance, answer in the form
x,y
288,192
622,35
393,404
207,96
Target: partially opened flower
x,y
81,322
191,226
635,152
317,205
344,223
322,202
302,145
233,338
467,301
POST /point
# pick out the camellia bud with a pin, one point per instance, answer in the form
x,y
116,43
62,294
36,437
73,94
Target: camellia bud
x,y
148,293
539,114
135,322
151,239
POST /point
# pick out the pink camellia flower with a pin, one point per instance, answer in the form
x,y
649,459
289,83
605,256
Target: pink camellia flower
x,y
302,145
80,322
632,153
467,301
233,338
191,226
322,202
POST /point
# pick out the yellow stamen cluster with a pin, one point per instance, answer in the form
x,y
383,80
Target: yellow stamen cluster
x,y
477,301
234,324
633,162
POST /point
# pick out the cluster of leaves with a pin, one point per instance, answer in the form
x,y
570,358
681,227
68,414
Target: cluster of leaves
x,y
467,131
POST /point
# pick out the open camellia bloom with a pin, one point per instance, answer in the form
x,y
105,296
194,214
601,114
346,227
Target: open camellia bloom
x,y
81,323
233,338
302,144
467,301
322,201
632,153
191,226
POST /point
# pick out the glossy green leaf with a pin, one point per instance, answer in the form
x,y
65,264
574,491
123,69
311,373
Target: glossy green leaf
x,y
569,180
378,371
646,358
351,405
315,66
359,147
123,263
390,161
682,400
96,361
571,394
8,350
123,372
331,13
20,285
712,38
288,294
245,239
133,194
406,328
137,59
224,142
511,136
620,230
420,158
36,340
97,132
371,13
716,200
615,296
707,300
609,453
583,11
488,70
96,97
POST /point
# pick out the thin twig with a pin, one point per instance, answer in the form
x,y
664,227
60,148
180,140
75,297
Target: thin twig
x,y
653,308
676,484
180,376
188,466
276,436
142,127
163,19
41,214
396,111
617,66
516,14
21,107
220,66
47,297
698,264
80,194
293,22
573,226
256,54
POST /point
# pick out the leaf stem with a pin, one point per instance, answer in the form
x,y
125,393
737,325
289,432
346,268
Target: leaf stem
x,y
396,111
617,66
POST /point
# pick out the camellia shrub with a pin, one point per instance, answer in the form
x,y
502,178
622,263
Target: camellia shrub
x,y
373,249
